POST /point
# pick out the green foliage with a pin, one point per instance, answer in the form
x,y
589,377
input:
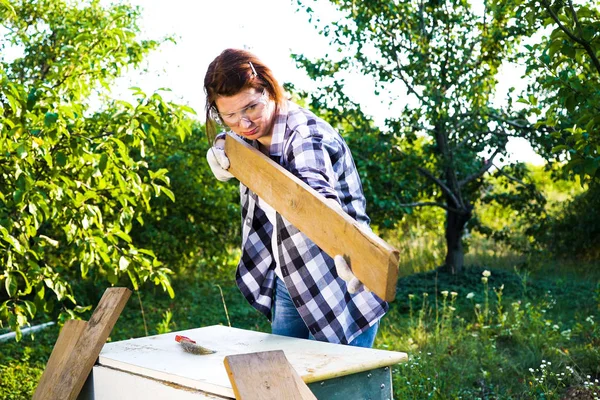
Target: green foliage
x,y
19,380
574,230
565,95
436,149
515,344
196,230
483,336
74,178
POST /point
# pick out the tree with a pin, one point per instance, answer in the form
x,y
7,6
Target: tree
x,y
73,178
565,93
193,234
437,149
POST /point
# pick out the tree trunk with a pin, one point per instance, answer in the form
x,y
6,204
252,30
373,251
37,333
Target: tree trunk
x,y
455,225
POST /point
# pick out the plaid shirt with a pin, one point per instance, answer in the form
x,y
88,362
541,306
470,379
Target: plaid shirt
x,y
314,152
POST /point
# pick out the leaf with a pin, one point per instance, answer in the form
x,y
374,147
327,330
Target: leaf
x,y
133,280
11,285
30,307
123,236
50,119
82,309
14,242
571,102
50,241
123,263
18,196
169,193
61,159
103,162
31,99
13,103
22,151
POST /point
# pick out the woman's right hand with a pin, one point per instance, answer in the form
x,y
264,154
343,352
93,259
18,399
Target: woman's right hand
x,y
218,161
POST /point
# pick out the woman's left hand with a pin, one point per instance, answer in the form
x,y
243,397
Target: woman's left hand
x,y
344,272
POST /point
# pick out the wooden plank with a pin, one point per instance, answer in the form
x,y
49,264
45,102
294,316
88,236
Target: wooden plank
x,y
371,259
64,346
265,376
78,364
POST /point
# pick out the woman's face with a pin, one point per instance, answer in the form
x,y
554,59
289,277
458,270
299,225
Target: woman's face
x,y
248,113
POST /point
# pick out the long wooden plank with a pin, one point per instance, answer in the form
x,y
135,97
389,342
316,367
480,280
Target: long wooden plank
x,y
77,366
265,376
67,339
372,260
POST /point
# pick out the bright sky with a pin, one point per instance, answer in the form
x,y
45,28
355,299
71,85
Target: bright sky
x,y
272,29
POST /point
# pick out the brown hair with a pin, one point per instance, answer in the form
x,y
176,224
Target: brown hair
x,y
231,72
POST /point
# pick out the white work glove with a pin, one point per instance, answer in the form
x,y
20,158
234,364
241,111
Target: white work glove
x,y
218,162
344,272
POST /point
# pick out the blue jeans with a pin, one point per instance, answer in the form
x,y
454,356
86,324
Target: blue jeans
x,y
287,320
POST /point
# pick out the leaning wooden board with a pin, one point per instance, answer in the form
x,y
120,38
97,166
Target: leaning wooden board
x,y
77,349
265,375
372,260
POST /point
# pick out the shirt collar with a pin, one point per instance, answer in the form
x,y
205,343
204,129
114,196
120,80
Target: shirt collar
x,y
279,129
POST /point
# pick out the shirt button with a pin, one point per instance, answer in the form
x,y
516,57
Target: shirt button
x,y
248,220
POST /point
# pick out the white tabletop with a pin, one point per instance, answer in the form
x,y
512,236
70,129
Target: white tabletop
x,y
161,357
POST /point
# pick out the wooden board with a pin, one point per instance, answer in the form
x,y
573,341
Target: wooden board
x,y
372,260
75,367
265,376
160,357
67,339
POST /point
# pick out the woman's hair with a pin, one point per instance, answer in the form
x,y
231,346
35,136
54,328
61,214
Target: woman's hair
x,y
231,72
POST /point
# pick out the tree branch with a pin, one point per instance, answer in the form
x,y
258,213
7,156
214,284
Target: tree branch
x,y
514,124
585,44
438,182
430,203
571,35
486,166
511,178
400,75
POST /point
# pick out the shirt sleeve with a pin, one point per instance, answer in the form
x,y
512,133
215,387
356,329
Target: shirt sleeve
x,y
309,157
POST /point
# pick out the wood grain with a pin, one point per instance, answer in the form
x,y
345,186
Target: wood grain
x,y
67,339
265,376
371,259
75,366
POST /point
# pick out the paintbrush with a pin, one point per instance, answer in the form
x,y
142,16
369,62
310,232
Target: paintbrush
x,y
190,346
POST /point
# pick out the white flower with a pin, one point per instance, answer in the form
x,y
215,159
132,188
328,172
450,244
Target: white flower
x,y
486,273
470,295
484,279
445,293
453,294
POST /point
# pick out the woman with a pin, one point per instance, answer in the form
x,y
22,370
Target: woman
x,y
283,274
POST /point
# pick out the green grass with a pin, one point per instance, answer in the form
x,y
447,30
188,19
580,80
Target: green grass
x,y
518,336
504,339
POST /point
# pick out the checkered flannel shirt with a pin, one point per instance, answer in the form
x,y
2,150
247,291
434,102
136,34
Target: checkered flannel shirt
x,y
313,151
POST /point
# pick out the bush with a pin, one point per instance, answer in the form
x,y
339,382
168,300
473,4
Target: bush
x,y
574,232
